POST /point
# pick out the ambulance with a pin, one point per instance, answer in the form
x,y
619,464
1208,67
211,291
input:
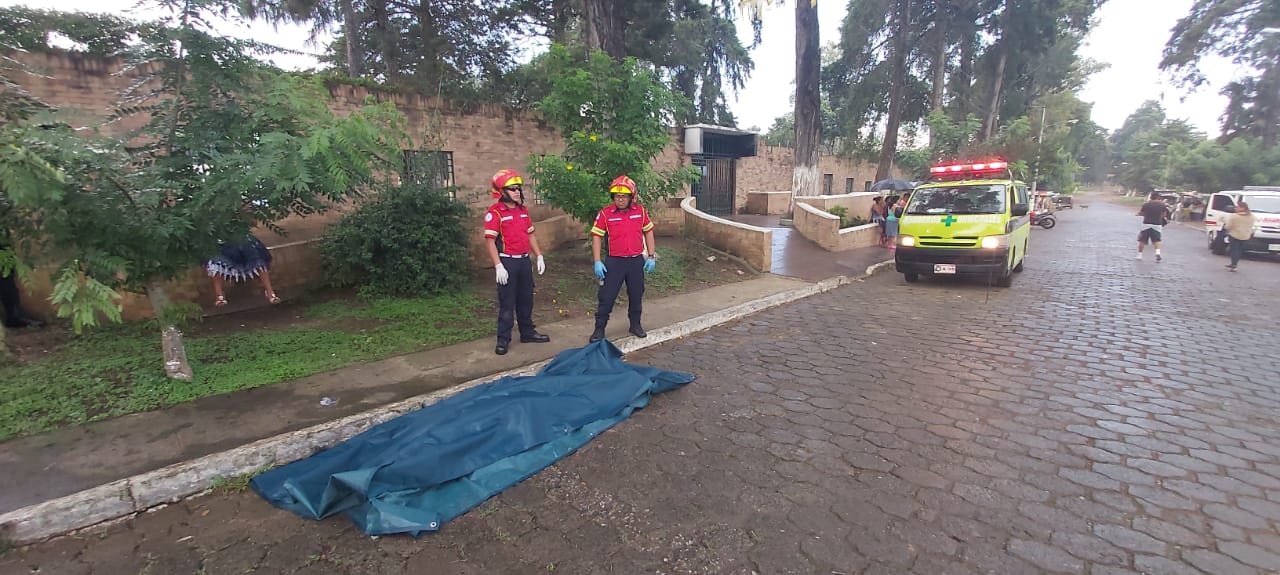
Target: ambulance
x,y
968,219
1263,201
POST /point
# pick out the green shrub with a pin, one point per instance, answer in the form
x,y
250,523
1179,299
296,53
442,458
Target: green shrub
x,y
842,213
408,240
846,221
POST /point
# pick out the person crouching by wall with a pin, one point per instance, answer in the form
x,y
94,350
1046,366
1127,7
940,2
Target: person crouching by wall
x,y
509,235
238,261
630,233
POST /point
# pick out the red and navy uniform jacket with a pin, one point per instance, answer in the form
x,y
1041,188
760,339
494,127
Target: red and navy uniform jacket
x,y
625,228
511,226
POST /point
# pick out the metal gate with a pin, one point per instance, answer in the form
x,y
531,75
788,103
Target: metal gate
x,y
715,192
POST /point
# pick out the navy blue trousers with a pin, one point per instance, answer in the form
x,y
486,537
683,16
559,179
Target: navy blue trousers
x,y
515,300
621,270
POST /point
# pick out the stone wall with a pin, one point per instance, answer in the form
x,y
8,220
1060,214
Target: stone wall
x,y
858,203
752,244
770,171
767,203
824,229
864,236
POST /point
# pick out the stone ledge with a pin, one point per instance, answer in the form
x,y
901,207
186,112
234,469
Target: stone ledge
x,y
751,243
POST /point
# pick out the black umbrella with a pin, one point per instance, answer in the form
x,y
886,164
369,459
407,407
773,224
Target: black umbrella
x,y
891,185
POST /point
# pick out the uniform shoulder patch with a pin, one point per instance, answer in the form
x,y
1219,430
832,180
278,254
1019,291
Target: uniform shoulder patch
x,y
488,216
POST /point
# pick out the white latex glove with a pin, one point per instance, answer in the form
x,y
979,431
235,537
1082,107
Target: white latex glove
x,y
542,266
502,274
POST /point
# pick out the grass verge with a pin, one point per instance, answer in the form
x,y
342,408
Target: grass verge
x,y
116,371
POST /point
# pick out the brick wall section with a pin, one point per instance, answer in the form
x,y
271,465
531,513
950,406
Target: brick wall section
x,y
770,171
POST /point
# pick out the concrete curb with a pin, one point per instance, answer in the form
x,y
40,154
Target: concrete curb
x,y
122,499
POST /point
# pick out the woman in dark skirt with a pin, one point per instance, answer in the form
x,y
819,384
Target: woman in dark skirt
x,y
239,261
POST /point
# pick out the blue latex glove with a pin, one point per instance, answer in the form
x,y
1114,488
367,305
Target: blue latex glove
x,y
600,270
649,264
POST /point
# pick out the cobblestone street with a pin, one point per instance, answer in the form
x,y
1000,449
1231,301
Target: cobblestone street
x,y
1103,416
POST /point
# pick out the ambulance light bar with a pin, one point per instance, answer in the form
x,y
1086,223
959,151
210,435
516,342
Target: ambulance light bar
x,y
981,167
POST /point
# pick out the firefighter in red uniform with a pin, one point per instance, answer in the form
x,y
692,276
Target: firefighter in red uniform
x,y
508,231
630,233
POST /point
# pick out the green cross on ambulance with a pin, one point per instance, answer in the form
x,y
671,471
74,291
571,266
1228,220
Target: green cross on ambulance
x,y
968,219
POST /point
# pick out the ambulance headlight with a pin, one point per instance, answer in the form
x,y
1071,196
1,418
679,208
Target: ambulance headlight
x,y
993,242
907,241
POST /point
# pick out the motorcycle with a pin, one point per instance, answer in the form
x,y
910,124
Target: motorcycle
x,y
1044,220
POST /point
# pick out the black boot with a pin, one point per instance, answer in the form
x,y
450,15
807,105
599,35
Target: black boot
x,y
501,349
598,334
535,337
638,331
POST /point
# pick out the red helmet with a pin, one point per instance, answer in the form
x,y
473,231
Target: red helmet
x,y
623,185
503,179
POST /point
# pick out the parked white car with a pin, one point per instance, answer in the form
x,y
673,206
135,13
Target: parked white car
x,y
1263,201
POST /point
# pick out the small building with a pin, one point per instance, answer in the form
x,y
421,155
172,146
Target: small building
x,y
715,150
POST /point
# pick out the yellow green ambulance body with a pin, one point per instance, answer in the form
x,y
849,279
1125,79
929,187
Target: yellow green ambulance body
x,y
969,219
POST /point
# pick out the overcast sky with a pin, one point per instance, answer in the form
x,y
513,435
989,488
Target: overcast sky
x,y
1129,37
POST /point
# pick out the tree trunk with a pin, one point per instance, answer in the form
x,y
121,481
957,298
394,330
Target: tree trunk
x,y
962,89
804,178
943,23
997,78
175,352
561,15
1269,101
385,41
602,28
351,29
993,102
897,88
430,70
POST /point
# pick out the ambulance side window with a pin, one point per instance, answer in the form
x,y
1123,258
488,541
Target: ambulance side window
x,y
1222,203
1020,195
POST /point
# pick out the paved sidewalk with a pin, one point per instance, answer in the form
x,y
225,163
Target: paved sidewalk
x,y
62,462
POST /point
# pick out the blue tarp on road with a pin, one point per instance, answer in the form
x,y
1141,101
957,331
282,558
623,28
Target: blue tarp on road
x,y
415,472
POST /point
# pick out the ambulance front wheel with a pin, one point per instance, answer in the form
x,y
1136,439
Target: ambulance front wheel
x,y
1006,279
911,277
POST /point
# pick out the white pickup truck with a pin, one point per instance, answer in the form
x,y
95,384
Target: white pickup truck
x,y
1264,201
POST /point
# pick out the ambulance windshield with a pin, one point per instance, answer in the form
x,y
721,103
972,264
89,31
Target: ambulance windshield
x,y
1263,204
959,199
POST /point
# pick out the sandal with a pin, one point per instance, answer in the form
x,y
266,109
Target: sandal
x,y
220,301
272,297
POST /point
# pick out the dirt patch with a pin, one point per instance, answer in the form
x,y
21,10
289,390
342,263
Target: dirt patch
x,y
30,344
